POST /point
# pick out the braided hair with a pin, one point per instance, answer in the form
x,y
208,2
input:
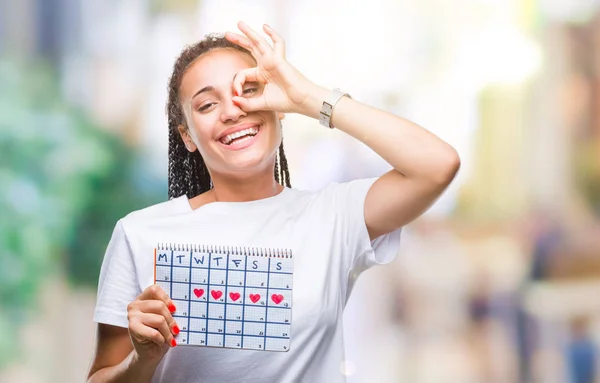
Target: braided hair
x,y
188,173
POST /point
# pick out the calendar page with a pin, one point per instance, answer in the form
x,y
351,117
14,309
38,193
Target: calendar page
x,y
228,297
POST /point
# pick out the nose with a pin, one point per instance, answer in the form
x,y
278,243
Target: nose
x,y
231,112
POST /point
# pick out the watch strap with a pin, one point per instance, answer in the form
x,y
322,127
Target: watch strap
x,y
328,104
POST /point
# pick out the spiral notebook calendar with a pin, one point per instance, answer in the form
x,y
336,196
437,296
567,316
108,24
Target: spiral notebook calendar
x,y
232,297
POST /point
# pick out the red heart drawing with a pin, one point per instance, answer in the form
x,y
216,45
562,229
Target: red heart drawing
x,y
254,297
198,292
216,294
277,298
234,296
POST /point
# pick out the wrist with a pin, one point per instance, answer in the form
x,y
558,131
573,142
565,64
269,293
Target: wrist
x,y
138,362
313,102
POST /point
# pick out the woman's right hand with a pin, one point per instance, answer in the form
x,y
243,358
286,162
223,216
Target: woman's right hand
x,y
152,328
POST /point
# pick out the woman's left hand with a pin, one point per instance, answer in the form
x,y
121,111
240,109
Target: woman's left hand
x,y
284,88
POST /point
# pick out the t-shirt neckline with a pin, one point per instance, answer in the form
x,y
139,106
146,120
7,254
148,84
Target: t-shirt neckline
x,y
239,206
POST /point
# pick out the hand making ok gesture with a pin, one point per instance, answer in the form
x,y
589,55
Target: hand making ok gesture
x,y
282,87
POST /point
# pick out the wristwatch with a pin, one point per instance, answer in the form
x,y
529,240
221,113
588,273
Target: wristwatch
x,y
328,105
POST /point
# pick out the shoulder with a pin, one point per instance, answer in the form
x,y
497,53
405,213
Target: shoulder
x,y
342,189
336,193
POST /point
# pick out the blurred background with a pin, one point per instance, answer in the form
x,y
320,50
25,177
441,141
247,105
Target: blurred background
x,y
498,282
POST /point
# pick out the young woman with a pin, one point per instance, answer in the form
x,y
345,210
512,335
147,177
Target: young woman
x,y
229,185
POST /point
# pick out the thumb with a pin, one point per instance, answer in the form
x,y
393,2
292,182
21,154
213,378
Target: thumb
x,y
250,104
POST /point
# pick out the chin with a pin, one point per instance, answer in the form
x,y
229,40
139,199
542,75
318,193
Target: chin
x,y
249,163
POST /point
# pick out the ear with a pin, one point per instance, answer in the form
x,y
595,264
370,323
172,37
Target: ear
x,y
187,140
280,116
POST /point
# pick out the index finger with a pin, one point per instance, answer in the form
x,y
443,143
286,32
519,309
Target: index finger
x,y
244,76
157,293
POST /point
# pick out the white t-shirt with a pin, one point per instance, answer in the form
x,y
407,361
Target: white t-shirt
x,y
327,234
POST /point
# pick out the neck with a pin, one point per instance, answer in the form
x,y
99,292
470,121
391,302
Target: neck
x,y
226,189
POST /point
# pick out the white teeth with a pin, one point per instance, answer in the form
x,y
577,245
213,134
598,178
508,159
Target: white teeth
x,y
244,139
230,137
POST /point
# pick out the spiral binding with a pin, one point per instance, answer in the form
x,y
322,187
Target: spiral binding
x,y
251,251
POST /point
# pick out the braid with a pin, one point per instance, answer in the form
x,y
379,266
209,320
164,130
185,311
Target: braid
x,y
188,173
284,176
276,172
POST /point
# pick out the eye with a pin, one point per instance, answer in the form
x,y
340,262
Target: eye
x,y
205,106
249,90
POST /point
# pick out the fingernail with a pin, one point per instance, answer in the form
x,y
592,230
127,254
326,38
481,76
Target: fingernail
x,y
175,329
172,308
173,342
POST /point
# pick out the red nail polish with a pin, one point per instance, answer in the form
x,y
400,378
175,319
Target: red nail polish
x,y
173,342
175,329
172,308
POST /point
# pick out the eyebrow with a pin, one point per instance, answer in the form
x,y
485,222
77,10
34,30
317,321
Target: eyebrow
x,y
210,88
205,89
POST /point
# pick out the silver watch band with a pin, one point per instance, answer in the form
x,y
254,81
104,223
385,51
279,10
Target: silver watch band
x,y
327,108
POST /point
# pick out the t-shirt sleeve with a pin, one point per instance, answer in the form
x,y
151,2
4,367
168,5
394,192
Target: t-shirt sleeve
x,y
117,285
363,253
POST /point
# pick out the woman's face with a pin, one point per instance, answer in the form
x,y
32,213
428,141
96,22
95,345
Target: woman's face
x,y
231,141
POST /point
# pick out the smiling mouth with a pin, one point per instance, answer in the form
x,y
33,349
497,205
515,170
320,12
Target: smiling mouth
x,y
242,135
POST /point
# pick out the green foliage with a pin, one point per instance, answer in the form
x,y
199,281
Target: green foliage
x,y
64,183
124,189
